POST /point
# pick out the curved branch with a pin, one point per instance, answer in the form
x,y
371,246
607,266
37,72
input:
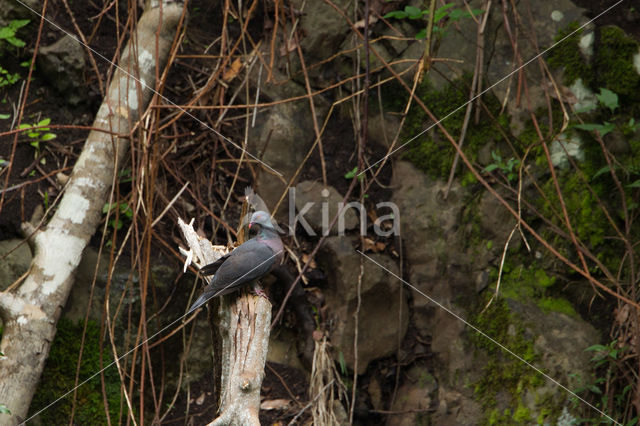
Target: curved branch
x,y
31,311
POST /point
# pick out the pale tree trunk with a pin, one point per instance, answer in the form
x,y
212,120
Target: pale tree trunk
x,y
242,327
30,312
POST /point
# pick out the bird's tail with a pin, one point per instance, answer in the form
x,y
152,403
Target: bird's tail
x,y
199,302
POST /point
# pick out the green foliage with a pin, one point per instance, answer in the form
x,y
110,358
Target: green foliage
x,y
8,33
503,373
60,372
611,67
444,12
124,209
4,409
37,133
614,62
432,152
603,129
342,363
509,168
353,173
608,98
7,78
567,55
600,384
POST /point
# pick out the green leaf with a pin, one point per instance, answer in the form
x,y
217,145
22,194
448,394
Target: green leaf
x,y
343,364
490,168
586,108
441,12
397,14
413,12
18,23
603,129
352,173
635,184
598,348
422,34
595,389
106,207
48,137
4,409
603,170
44,122
24,126
16,41
4,116
608,98
6,32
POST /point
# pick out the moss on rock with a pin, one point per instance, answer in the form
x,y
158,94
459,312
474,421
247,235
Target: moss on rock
x,y
59,375
431,152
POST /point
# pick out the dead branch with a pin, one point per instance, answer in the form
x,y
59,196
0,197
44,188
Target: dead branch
x,y
243,326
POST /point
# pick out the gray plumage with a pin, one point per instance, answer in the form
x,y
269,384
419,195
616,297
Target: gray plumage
x,y
247,263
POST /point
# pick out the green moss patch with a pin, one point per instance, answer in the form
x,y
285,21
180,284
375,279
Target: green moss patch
x,y
611,65
503,373
432,152
59,375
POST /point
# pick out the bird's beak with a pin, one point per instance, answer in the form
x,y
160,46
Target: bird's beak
x,y
250,225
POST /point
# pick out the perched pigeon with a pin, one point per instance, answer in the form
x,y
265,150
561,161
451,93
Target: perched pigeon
x,y
247,263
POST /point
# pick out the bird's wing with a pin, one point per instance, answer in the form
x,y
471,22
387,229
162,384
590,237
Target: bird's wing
x,y
211,268
246,263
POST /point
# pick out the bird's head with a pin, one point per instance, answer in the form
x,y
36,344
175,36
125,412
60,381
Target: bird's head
x,y
261,218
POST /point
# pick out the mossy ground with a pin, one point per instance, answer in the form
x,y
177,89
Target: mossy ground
x,y
59,375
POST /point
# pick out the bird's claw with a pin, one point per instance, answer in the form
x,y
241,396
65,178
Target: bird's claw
x,y
260,292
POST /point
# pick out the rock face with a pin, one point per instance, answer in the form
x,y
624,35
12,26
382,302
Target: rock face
x,y
62,64
14,264
380,326
446,265
320,205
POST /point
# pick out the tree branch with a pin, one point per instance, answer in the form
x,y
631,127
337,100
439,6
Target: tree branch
x,y
243,324
31,311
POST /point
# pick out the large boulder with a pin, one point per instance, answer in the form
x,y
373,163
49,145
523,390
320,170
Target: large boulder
x,y
450,244
320,205
62,64
380,327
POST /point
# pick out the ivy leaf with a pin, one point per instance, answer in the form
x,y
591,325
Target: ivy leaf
x,y
608,98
